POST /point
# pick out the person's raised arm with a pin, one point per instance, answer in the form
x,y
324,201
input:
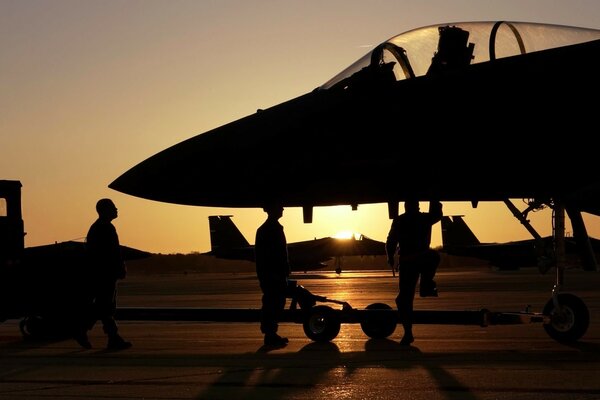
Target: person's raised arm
x,y
390,249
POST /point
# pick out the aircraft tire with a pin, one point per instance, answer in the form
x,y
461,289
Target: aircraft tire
x,y
569,321
30,327
376,326
322,324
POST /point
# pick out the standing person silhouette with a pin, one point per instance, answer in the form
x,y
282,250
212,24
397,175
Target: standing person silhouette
x,y
410,235
272,270
106,268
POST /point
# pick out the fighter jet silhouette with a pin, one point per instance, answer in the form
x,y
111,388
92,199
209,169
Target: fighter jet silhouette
x,y
473,111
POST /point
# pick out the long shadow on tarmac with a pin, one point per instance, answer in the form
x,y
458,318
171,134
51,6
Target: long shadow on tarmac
x,y
276,376
316,368
323,368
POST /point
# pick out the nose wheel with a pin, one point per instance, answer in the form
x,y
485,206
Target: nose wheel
x,y
569,318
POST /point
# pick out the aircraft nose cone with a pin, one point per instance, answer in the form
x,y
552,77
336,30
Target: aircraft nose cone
x,y
272,154
239,164
192,172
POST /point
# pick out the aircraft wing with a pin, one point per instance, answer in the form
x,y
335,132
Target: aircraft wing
x,y
233,253
327,248
362,246
73,250
303,256
509,255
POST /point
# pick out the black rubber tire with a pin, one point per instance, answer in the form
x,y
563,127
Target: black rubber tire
x,y
376,326
31,327
321,324
569,321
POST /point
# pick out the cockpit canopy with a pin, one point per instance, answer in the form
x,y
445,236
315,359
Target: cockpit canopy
x,y
435,48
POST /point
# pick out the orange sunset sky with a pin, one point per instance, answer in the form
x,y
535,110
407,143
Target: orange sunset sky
x,y
91,88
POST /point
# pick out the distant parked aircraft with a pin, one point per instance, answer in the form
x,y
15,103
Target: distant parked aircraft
x,y
228,242
459,240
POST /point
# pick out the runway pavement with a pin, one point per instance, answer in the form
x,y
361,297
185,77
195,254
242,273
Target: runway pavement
x,y
204,360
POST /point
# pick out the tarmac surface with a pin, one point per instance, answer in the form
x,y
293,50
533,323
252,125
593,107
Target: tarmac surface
x,y
217,360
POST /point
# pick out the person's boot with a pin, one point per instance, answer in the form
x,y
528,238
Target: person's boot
x,y
116,342
273,339
428,289
81,337
407,339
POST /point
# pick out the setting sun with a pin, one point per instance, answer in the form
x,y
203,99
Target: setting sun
x,y
347,235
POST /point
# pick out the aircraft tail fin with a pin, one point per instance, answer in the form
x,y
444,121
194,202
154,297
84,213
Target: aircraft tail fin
x,y
224,234
456,232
